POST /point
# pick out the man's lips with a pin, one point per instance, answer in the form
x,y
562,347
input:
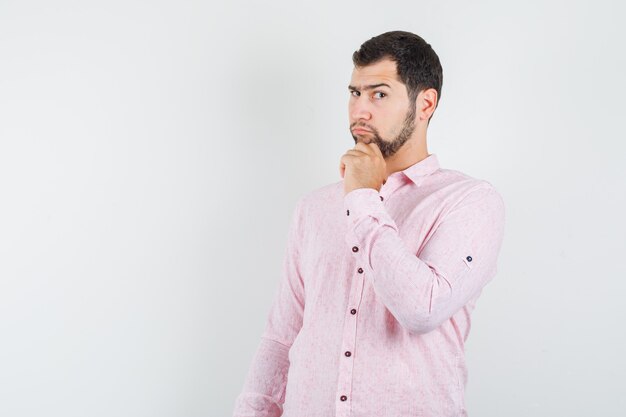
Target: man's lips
x,y
360,130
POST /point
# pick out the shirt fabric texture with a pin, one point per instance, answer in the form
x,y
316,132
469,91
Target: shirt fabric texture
x,y
373,307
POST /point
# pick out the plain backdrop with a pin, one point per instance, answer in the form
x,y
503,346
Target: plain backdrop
x,y
151,153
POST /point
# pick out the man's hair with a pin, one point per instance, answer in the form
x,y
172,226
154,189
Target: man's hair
x,y
417,64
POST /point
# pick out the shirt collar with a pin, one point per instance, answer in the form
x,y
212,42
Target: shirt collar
x,y
421,169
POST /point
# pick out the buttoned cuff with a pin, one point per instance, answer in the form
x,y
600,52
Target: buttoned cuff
x,y
363,205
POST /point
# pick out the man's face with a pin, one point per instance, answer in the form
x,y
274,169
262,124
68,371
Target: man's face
x,y
379,103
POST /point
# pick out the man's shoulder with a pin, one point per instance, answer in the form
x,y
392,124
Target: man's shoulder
x,y
456,188
324,196
465,183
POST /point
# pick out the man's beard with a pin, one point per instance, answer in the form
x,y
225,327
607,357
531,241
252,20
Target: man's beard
x,y
389,148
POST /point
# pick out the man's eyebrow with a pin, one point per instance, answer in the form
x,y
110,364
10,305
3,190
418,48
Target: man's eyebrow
x,y
369,87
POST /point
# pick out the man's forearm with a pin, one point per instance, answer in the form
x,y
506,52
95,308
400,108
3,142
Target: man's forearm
x,y
459,259
263,393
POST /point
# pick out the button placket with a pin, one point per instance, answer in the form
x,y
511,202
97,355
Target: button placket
x,y
344,385
348,344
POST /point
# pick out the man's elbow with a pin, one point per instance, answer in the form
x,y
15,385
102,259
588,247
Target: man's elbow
x,y
421,323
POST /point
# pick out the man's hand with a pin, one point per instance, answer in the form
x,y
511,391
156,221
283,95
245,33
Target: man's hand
x,y
363,167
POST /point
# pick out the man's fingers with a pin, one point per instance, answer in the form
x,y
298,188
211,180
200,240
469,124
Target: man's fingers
x,y
376,149
355,152
360,146
369,148
351,153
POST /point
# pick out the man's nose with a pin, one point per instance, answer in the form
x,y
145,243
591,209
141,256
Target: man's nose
x,y
359,109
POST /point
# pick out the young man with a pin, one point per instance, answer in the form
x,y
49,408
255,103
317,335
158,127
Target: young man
x,y
382,269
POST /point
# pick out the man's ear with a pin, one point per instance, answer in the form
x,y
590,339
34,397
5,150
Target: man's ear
x,y
426,103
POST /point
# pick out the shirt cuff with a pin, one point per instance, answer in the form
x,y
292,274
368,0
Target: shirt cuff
x,y
361,206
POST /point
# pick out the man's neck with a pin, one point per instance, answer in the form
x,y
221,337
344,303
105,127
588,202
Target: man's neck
x,y
408,155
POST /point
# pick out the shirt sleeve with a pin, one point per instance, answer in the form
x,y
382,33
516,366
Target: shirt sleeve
x,y
455,263
263,393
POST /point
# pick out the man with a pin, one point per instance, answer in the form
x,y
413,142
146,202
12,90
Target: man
x,y
383,268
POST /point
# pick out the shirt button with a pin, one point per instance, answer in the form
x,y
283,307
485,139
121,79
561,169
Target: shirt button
x,y
348,353
343,398
469,259
353,311
381,198
348,212
355,249
360,270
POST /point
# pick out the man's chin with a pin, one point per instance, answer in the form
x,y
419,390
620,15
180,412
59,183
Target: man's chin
x,y
366,138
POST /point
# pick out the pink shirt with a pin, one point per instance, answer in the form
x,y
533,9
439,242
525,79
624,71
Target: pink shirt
x,y
373,308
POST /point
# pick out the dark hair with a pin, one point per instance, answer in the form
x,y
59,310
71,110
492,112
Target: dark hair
x,y
417,64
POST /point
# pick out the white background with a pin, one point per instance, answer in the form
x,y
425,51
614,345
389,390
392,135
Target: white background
x,y
151,153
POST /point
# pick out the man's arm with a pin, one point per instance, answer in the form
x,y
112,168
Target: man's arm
x,y
263,393
457,261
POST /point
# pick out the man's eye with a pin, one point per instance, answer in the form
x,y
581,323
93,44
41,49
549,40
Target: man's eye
x,y
380,92
354,91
